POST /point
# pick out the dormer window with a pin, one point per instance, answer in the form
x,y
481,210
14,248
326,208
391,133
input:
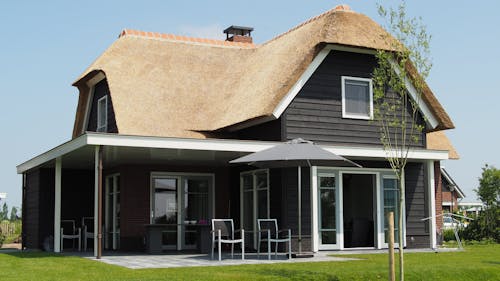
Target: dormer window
x,y
357,98
102,114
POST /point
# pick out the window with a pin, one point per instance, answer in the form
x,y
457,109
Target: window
x,y
357,98
255,198
102,114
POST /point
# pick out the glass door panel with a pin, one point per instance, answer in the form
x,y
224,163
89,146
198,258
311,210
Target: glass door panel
x,y
390,199
327,211
112,212
166,209
196,208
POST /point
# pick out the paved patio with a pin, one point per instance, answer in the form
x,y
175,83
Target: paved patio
x,y
138,261
141,260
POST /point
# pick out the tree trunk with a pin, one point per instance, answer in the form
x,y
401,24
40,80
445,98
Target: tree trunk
x,y
392,271
400,223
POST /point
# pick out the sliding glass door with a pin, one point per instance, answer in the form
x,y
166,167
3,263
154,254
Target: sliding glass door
x,y
181,203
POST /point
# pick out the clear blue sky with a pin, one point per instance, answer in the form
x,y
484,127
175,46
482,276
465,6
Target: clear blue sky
x,y
45,45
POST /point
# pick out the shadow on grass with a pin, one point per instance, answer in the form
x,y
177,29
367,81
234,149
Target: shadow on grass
x,y
297,274
33,255
492,262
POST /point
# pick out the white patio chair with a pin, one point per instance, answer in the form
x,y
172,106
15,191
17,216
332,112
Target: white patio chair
x,y
88,230
69,231
223,232
268,232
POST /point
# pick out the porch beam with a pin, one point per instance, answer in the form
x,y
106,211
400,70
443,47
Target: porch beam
x,y
98,201
314,207
432,204
57,206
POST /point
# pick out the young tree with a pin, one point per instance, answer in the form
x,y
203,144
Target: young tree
x,y
395,110
13,214
4,212
489,186
487,224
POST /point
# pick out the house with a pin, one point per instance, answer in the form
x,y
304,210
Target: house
x,y
160,116
451,192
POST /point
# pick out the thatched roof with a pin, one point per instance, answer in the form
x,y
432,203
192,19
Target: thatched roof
x,y
438,140
173,86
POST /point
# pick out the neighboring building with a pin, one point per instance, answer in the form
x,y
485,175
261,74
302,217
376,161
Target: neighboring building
x,y
470,209
451,193
159,116
3,196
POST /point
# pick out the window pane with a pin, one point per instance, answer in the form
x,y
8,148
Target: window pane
x,y
247,181
327,197
248,209
357,97
327,182
261,180
262,204
165,201
391,204
328,237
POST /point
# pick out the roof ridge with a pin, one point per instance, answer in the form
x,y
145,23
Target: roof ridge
x,y
339,8
181,38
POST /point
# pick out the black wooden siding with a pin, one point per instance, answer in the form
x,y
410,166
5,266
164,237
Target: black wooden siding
x,y
101,89
38,211
316,112
417,206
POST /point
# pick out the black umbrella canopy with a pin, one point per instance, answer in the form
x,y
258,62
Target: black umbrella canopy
x,y
294,153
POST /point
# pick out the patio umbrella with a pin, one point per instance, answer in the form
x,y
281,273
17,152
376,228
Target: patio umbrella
x,y
295,153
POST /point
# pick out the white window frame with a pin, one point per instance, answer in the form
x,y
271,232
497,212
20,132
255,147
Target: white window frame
x,y
356,116
104,127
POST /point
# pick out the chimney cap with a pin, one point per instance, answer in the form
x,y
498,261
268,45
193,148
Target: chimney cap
x,y
342,7
233,28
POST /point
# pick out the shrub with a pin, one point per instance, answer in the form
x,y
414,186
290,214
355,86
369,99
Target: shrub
x,y
449,235
485,227
2,238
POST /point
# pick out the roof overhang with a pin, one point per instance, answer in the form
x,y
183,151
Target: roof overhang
x,y
452,182
147,148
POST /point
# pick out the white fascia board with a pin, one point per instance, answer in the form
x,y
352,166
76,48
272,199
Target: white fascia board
x,y
424,109
292,93
52,154
374,152
178,143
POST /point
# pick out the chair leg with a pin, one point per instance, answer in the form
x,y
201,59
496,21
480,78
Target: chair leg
x,y
232,250
258,247
212,252
219,243
269,249
276,249
289,248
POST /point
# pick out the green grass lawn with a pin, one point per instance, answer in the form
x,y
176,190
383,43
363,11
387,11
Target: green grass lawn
x,y
478,262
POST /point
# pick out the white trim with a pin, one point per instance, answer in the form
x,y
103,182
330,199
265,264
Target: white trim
x,y
424,109
104,127
321,246
447,176
90,138
431,189
292,93
57,206
314,207
370,96
52,154
91,84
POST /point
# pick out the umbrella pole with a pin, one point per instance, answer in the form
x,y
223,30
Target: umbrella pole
x,y
299,189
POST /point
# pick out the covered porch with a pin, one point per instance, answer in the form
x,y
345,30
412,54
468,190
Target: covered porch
x,y
178,185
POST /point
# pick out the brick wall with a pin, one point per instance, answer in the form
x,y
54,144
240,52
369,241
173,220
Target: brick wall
x,y
439,196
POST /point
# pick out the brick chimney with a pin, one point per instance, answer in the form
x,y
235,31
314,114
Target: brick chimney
x,y
239,34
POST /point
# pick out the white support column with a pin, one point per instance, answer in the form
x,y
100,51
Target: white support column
x,y
96,196
57,206
314,207
432,205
